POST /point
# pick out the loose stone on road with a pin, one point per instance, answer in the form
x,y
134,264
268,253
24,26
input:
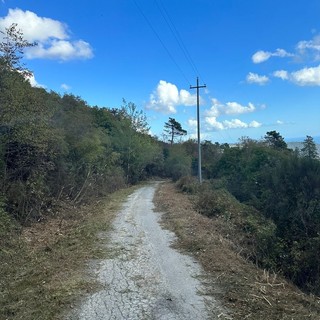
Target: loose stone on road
x,y
146,278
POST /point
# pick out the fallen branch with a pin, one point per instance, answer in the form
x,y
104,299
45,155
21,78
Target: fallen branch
x,y
262,297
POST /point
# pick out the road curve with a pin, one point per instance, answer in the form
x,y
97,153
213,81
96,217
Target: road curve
x,y
146,278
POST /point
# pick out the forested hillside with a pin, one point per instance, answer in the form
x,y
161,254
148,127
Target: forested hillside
x,y
281,190
57,147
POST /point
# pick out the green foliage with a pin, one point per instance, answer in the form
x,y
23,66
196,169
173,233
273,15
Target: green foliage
x,y
55,147
284,187
173,129
188,184
309,149
12,47
274,140
211,202
178,162
262,234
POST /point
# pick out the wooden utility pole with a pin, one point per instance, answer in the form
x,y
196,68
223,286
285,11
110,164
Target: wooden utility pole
x,y
198,124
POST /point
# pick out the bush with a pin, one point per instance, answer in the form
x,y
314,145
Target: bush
x,y
188,184
211,202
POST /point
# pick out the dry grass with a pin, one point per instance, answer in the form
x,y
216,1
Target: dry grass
x,y
247,291
43,268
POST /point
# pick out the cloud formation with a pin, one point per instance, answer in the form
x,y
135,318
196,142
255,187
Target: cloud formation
x,y
309,48
303,77
229,108
52,36
255,78
306,76
65,86
262,56
282,74
166,97
305,51
214,124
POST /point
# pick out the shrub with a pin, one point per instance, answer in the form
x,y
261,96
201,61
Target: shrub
x,y
188,184
211,202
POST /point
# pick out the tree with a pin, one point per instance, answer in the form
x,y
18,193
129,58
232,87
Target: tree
x,y
12,47
275,140
178,163
173,129
137,118
309,149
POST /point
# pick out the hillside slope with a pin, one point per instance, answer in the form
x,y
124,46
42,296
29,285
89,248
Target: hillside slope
x,y
251,293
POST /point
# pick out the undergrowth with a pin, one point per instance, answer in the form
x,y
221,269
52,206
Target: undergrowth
x,y
249,229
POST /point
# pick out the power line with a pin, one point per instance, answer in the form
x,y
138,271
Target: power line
x,y
159,38
164,13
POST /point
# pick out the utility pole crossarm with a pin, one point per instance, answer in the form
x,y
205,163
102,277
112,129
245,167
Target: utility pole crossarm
x,y
198,125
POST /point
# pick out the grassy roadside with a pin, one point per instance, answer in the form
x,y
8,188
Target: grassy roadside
x,y
43,267
247,291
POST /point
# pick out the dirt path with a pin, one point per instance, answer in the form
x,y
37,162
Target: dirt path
x,y
146,279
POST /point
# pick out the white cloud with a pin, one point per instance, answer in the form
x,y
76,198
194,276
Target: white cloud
x,y
228,108
255,78
167,97
302,77
213,123
52,36
187,99
237,108
282,74
192,123
61,49
261,56
65,87
234,123
306,76
310,45
255,124
35,28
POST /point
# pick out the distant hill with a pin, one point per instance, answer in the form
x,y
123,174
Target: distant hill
x,y
316,139
299,145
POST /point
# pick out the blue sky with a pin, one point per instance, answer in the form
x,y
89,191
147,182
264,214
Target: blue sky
x,y
260,60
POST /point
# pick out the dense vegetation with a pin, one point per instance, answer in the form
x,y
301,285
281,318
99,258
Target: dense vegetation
x,y
55,147
281,190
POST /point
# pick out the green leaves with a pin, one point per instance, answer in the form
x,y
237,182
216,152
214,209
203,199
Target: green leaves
x,y
284,187
174,129
309,149
12,47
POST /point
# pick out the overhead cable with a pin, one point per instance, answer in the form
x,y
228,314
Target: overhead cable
x,y
164,13
162,43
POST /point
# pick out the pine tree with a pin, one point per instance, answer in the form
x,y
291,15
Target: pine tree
x,y
309,149
173,129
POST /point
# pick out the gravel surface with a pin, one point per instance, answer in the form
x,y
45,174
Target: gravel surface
x,y
146,278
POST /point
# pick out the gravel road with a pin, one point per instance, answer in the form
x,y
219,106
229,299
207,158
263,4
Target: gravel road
x,y
146,278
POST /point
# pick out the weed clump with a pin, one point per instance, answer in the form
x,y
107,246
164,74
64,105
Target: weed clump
x,y
188,184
